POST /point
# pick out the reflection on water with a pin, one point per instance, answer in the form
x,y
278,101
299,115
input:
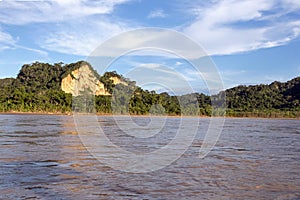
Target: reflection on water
x,y
42,157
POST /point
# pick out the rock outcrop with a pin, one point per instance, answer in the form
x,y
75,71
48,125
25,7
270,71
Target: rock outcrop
x,y
117,80
84,79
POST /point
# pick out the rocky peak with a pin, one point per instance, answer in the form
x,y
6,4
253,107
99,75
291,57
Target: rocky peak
x,y
116,80
84,78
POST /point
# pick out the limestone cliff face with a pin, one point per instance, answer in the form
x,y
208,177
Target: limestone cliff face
x,y
84,79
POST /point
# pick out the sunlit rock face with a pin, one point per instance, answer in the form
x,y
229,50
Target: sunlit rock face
x,y
83,79
117,80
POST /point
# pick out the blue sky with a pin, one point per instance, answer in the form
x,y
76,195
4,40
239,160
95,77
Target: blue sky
x,y
250,42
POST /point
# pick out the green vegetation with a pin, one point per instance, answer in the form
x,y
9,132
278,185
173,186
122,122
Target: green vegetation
x,y
274,100
37,88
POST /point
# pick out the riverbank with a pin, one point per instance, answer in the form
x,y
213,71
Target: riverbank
x,y
33,113
169,116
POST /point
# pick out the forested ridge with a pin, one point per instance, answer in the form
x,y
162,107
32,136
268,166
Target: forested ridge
x,y
37,88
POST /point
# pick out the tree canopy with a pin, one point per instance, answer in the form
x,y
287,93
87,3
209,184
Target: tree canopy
x,y
37,88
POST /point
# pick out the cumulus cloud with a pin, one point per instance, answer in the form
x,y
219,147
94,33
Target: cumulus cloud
x,y
233,26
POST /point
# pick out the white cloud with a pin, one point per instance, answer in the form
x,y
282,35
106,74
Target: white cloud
x,y
160,77
150,65
163,40
37,51
232,26
291,5
232,72
81,37
158,13
172,78
221,26
178,63
6,41
24,12
233,78
74,27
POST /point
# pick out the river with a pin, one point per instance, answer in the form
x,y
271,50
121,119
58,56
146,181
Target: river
x,y
43,157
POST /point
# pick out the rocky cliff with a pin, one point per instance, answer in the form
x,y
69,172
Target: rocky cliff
x,y
117,80
84,78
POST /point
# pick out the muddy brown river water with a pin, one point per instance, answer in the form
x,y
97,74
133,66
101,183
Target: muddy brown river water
x,y
42,157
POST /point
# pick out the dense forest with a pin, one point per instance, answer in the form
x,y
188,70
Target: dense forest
x,y
37,88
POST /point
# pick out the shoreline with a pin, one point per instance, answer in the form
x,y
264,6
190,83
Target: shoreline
x,y
168,116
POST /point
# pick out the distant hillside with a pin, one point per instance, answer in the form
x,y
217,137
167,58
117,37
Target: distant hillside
x,y
265,99
42,87
39,87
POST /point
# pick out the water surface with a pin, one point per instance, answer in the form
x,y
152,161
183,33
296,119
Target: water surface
x,y
42,157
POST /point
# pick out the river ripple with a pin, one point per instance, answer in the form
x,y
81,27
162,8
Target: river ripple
x,y
42,157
